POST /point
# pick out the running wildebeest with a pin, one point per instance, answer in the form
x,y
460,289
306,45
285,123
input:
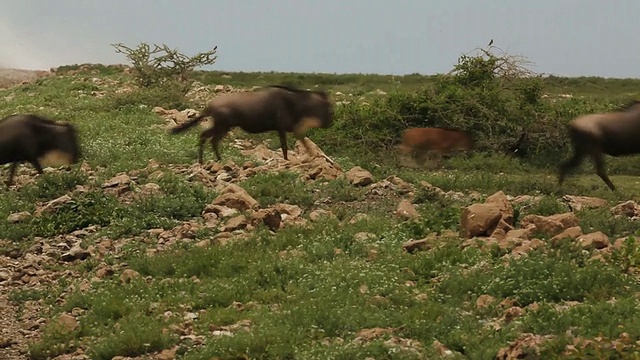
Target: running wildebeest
x,y
274,108
34,138
614,133
420,141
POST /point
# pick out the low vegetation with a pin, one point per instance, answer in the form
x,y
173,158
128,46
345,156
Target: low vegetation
x,y
139,252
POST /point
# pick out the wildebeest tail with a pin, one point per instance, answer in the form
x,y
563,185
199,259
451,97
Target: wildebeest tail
x,y
186,125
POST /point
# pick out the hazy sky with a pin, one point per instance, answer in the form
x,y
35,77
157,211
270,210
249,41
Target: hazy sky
x,y
562,37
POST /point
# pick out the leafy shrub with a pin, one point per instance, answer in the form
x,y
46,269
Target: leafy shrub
x,y
492,97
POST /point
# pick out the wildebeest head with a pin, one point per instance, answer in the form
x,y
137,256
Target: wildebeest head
x,y
72,145
324,108
67,148
314,106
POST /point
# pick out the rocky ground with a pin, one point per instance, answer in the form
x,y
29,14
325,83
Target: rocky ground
x,y
235,214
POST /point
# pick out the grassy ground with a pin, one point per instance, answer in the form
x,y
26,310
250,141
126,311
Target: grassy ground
x,y
303,292
362,83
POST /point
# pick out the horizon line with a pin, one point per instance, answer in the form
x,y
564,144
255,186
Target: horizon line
x,y
545,75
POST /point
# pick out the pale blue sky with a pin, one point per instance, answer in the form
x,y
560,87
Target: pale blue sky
x,y
562,37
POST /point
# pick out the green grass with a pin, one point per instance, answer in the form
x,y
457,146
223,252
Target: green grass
x,y
306,291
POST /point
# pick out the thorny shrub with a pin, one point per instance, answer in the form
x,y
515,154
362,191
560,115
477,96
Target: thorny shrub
x,y
493,97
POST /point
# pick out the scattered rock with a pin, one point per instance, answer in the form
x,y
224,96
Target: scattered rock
x,y
271,217
628,208
551,225
317,215
569,233
412,246
577,203
501,201
127,275
595,240
479,220
19,217
359,176
364,236
67,323
289,214
52,205
492,218
358,217
366,335
484,301
75,253
235,223
235,197
522,348
406,210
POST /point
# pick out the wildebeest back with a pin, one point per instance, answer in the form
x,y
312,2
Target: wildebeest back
x,y
260,110
255,115
617,137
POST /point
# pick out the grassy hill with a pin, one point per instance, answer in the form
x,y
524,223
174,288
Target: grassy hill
x,y
142,256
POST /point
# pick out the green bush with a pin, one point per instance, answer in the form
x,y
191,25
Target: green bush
x,y
487,95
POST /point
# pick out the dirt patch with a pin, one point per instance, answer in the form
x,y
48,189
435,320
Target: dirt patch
x,y
12,77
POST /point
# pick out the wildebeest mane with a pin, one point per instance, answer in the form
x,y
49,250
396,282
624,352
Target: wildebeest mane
x,y
40,119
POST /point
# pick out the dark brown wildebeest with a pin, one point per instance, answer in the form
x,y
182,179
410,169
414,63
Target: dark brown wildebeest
x,y
34,138
274,108
519,149
420,141
614,133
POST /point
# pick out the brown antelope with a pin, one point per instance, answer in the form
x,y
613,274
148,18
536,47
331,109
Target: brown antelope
x,y
34,138
274,108
420,141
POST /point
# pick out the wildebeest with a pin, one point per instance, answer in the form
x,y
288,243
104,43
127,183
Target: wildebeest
x,y
420,141
519,149
273,108
614,133
34,138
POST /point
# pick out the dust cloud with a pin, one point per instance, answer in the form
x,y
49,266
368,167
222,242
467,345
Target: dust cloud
x,y
18,52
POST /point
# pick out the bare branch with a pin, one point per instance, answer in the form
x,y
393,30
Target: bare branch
x,y
157,65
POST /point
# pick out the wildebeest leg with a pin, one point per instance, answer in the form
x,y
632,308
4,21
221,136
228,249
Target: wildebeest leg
x,y
283,143
598,162
578,156
218,134
12,171
36,164
203,138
